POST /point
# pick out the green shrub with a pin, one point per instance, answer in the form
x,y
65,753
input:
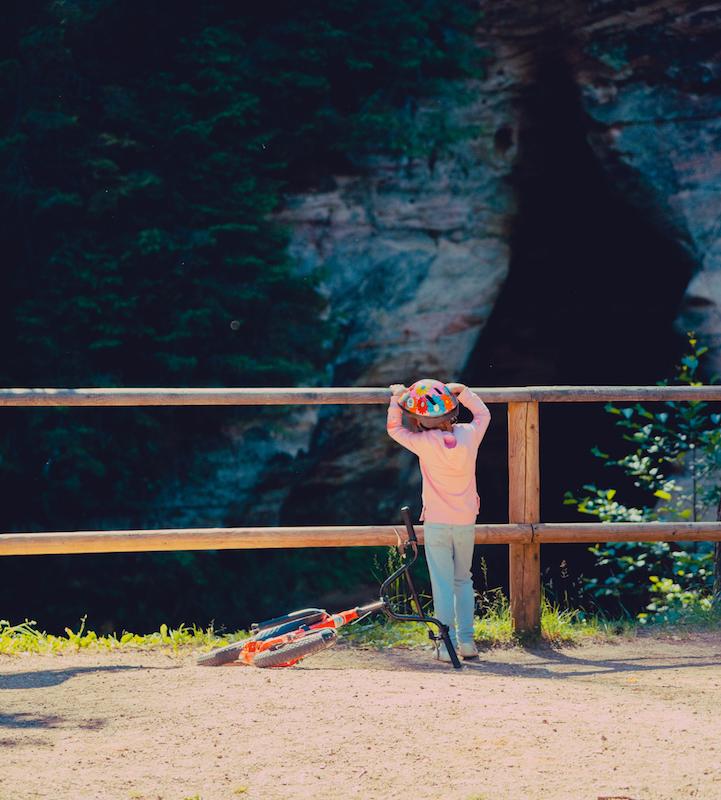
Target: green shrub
x,y
674,460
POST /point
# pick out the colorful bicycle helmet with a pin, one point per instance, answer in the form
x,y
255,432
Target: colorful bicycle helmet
x,y
430,403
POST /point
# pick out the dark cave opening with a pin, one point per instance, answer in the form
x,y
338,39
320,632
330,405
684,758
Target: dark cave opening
x,y
592,294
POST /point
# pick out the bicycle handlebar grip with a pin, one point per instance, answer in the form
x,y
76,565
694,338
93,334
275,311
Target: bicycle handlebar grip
x,y
406,516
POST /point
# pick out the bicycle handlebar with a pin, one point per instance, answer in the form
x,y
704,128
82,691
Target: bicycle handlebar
x,y
406,517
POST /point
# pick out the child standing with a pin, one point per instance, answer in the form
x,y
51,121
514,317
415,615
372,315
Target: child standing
x,y
447,453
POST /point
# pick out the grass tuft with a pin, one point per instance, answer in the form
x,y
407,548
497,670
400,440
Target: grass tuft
x,y
27,638
493,627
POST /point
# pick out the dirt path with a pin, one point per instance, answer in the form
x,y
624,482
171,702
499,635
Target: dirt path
x,y
639,719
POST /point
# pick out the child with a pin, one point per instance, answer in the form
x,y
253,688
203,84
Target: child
x,y
447,453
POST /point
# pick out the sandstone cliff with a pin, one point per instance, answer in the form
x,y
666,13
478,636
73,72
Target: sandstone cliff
x,y
416,252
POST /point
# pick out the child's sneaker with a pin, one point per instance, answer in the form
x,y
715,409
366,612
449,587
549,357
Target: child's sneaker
x,y
467,650
442,653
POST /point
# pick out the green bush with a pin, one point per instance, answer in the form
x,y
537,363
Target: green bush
x,y
674,460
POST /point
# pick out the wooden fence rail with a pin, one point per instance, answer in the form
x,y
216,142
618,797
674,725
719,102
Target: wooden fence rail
x,y
524,532
165,539
340,396
231,538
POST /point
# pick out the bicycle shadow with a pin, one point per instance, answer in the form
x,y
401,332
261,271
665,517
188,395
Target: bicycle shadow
x,y
42,679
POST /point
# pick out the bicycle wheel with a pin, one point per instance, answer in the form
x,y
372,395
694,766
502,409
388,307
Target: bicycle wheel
x,y
223,655
306,646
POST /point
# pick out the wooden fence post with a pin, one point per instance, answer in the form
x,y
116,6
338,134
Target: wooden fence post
x,y
524,506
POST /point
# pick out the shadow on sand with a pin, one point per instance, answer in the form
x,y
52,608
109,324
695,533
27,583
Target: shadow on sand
x,y
43,678
544,663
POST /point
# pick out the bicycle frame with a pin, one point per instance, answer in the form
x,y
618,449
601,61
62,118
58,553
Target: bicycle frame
x,y
277,633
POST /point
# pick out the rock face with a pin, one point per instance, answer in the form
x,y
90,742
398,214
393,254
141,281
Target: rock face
x,y
651,84
415,253
415,256
414,261
649,78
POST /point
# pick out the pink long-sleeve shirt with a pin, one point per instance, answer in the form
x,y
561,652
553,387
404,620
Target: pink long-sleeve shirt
x,y
449,473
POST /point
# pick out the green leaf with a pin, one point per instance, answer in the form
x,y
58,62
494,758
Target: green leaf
x,y
643,412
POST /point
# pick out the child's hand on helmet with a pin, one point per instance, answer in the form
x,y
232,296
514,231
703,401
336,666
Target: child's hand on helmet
x,y
456,388
397,389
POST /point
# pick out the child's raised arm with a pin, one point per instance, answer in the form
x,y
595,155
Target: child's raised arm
x,y
394,423
481,414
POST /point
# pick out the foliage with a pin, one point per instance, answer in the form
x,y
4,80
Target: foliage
x,y
144,148
673,460
671,602
137,194
27,638
492,628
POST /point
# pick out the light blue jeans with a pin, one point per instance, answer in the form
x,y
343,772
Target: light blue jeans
x,y
449,553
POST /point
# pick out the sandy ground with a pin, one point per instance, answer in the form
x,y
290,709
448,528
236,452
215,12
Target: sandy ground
x,y
638,719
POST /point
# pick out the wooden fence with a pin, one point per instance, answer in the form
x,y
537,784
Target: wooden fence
x,y
524,533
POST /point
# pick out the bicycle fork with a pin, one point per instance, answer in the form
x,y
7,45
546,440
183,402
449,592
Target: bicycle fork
x,y
443,634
